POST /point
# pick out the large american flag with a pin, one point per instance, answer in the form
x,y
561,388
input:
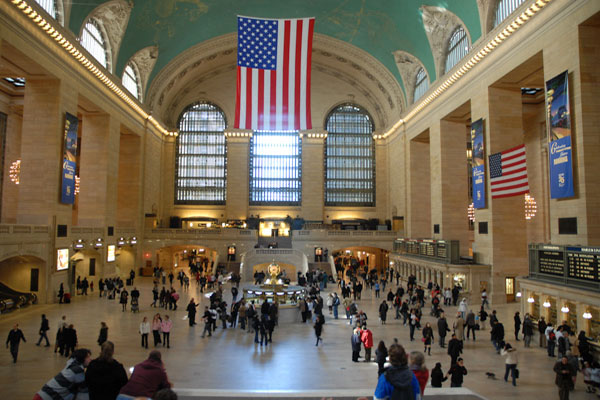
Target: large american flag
x,y
508,173
273,74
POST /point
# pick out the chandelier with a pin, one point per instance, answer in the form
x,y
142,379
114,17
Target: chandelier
x,y
530,206
15,171
471,212
77,179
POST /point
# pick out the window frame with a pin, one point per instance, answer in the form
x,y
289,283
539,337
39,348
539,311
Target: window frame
x,y
215,133
419,83
331,134
135,80
104,44
503,9
454,50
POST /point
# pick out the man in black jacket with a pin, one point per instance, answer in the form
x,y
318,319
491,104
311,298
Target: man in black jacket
x,y
458,371
454,349
45,327
497,335
442,329
14,338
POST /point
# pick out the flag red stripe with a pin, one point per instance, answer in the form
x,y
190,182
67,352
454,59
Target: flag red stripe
x,y
273,106
311,26
237,98
286,75
508,158
513,149
516,171
298,67
261,98
248,98
510,194
504,188
508,180
509,165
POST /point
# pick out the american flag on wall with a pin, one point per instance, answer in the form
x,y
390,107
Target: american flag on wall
x,y
273,74
508,173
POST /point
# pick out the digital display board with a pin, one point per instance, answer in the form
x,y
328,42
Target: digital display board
x,y
441,250
551,262
574,262
582,263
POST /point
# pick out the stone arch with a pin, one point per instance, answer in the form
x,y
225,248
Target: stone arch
x,y
144,60
16,272
408,66
112,17
439,24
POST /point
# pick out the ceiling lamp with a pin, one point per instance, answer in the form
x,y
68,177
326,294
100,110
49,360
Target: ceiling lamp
x,y
531,300
546,304
471,212
530,206
564,309
587,315
519,294
15,172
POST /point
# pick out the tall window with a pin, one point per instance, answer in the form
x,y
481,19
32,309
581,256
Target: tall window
x,y
131,80
458,47
200,163
53,8
93,41
349,158
421,84
504,9
275,168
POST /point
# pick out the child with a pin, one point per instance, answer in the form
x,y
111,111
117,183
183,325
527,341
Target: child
x,y
587,377
437,376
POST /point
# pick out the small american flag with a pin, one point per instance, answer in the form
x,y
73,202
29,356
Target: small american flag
x,y
508,173
273,74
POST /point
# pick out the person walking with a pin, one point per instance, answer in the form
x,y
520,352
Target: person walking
x,y
442,325
463,308
483,316
45,327
565,374
517,319
207,318
144,331
61,293
470,321
319,328
165,327
123,299
527,330
103,335
459,327
156,325
437,376
381,354
457,371
454,349
105,376
511,361
413,324
551,339
191,309
497,335
70,339
383,309
427,338
14,338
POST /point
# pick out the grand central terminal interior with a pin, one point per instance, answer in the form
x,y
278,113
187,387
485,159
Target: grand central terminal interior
x,y
453,142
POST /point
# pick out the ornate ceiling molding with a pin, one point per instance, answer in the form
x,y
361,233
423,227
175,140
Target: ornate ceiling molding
x,y
114,17
486,14
144,60
194,65
408,66
439,25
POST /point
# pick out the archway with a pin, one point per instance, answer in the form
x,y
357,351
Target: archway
x,y
23,274
361,259
86,265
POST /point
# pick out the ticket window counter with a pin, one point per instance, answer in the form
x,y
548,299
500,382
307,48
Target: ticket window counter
x,y
553,314
571,317
535,308
509,286
593,330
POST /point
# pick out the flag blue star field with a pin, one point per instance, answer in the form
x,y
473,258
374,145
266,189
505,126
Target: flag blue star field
x,y
508,173
273,74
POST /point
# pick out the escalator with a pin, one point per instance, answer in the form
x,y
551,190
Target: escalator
x,y
11,299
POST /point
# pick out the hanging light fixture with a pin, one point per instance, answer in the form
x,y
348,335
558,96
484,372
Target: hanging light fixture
x,y
546,304
530,206
564,309
587,315
77,180
531,300
471,212
15,172
519,294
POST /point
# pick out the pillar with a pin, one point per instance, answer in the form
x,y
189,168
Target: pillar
x,y
312,179
237,177
419,202
129,182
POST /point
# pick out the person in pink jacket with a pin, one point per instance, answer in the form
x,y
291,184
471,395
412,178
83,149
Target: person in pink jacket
x,y
166,326
156,324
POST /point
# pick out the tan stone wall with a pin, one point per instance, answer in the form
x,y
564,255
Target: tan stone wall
x,y
313,179
12,152
129,185
419,208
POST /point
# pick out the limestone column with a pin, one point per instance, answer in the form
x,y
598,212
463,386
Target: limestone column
x,y
419,197
449,182
312,179
44,106
129,182
237,177
100,141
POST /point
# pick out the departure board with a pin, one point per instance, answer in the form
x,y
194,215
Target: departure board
x,y
552,262
440,250
583,263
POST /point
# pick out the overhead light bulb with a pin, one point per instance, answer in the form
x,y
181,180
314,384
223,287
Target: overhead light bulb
x,y
564,309
519,294
531,300
546,304
587,315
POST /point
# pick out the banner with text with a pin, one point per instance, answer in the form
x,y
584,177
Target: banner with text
x,y
69,164
559,136
477,146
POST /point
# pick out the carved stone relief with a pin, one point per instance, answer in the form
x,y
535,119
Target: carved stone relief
x,y
408,66
114,17
145,59
486,9
439,25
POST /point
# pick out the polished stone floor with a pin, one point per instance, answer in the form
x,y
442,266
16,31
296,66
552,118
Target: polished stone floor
x,y
230,361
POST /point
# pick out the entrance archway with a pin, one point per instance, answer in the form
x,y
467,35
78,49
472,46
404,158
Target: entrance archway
x,y
23,274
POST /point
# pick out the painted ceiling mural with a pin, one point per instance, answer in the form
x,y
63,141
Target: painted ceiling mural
x,y
379,27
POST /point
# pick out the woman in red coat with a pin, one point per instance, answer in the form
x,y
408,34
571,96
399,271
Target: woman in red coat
x,y
417,366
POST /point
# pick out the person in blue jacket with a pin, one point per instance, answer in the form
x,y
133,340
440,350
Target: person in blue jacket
x,y
397,382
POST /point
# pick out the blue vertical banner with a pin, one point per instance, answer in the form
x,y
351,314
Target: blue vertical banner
x,y
560,151
69,164
477,146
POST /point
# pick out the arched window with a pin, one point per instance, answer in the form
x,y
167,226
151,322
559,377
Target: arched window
x,y
275,168
94,42
504,8
131,80
201,156
421,84
349,157
53,8
458,47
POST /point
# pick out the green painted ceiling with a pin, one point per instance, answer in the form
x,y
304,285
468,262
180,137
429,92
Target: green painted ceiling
x,y
379,27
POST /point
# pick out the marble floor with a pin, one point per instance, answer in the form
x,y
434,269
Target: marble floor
x,y
230,361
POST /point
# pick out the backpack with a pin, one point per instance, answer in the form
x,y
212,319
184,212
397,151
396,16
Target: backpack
x,y
552,336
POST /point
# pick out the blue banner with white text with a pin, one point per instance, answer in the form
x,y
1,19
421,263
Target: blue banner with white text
x,y
69,165
478,156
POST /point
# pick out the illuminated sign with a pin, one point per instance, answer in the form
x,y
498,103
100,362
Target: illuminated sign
x,y
62,259
110,253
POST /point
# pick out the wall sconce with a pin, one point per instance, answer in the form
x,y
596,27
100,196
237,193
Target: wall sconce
x,y
587,315
546,304
77,184
99,243
564,309
519,294
15,172
531,300
471,212
133,240
79,244
121,241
